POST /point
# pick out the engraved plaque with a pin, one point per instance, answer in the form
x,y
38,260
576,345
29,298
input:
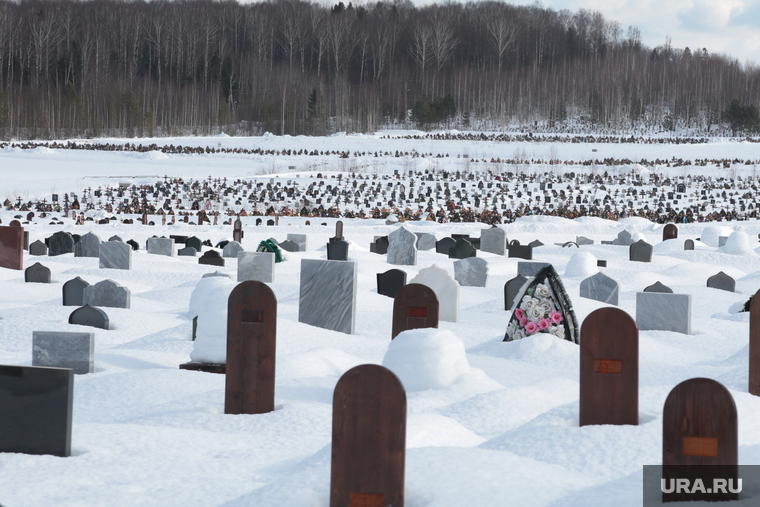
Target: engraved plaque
x,y
251,316
700,446
608,366
415,311
366,500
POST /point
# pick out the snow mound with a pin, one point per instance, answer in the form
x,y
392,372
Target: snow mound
x,y
581,264
427,358
738,243
209,303
711,234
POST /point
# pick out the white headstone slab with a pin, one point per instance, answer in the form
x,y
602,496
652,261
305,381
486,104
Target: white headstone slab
x,y
327,296
232,249
64,350
256,266
660,311
402,247
471,272
493,240
445,288
115,255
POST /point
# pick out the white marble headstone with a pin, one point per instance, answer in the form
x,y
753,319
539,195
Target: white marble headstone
x,y
256,266
445,288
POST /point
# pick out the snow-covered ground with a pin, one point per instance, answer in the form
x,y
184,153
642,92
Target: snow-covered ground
x,y
505,432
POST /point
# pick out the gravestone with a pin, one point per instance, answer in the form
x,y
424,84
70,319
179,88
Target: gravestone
x,y
115,238
327,296
530,269
60,243
37,273
520,251
237,230
442,246
446,290
670,231
600,287
256,266
368,439
38,248
511,289
64,350
36,404
87,246
402,247
659,287
288,246
425,241
415,306
379,246
107,293
641,251
338,232
462,249
582,240
536,243
12,247
609,366
163,246
300,240
251,337
195,243
178,239
601,264
657,311
188,251
337,250
89,316
754,345
699,438
73,292
722,281
216,273
232,249
115,255
624,238
493,240
389,283
688,244
211,258
471,272
135,246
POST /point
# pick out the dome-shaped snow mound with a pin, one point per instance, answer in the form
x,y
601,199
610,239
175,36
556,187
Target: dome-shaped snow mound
x,y
209,302
738,243
711,234
427,358
581,264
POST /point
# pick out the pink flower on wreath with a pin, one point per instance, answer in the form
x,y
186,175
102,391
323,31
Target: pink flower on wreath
x,y
544,324
555,317
519,313
531,327
523,320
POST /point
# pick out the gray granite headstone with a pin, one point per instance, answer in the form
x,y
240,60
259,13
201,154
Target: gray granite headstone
x,y
657,311
425,241
107,293
442,246
623,238
583,240
659,287
288,246
402,247
188,251
115,238
471,272
87,246
511,289
462,249
600,287
73,292
89,316
327,296
36,404
722,281
337,250
60,243
215,273
688,244
64,350
38,248
163,246
300,240
256,266
493,240
641,251
231,249
115,255
535,244
37,273
530,269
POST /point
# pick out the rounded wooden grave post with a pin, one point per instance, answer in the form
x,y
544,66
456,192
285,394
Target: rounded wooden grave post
x,y
699,438
415,306
609,368
754,345
368,439
251,336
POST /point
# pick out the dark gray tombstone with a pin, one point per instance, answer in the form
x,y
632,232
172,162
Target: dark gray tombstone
x,y
107,293
115,238
89,316
134,244
659,287
380,245
624,238
38,248
511,289
688,244
289,246
390,282
600,287
641,251
337,250
462,249
87,246
188,251
536,243
36,404
115,255
64,350
521,251
178,239
195,243
60,243
442,246
601,264
212,258
37,273
73,292
722,281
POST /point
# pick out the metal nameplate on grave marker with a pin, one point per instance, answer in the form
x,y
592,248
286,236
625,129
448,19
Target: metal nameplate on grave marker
x,y
608,366
248,316
366,500
700,446
416,312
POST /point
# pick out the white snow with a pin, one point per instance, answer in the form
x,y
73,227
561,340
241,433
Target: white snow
x,y
581,264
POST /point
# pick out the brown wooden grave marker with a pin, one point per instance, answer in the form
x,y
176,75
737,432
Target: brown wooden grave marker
x,y
368,439
609,378
754,345
12,247
670,231
415,306
251,336
699,438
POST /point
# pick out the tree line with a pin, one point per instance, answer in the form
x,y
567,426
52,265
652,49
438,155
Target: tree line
x,y
134,68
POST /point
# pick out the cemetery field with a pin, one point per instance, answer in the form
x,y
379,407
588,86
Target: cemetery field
x,y
488,422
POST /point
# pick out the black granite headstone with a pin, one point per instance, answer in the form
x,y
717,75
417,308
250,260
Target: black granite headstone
x,y
38,248
390,282
288,246
641,251
73,292
659,287
195,243
211,258
442,246
337,251
380,246
511,288
115,238
520,251
134,244
178,239
37,273
462,249
89,316
60,243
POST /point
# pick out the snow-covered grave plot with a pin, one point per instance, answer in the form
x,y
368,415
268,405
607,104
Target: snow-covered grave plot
x,y
488,422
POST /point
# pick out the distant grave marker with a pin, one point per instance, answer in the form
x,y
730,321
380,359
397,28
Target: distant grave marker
x,y
402,247
211,258
659,287
107,293
389,283
415,306
722,281
87,246
657,311
600,287
73,292
38,248
337,250
471,272
380,245
64,350
37,273
12,247
670,231
442,246
188,251
89,316
60,243
530,269
256,266
231,249
115,255
163,246
135,246
493,240
462,249
521,251
688,244
641,251
425,241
